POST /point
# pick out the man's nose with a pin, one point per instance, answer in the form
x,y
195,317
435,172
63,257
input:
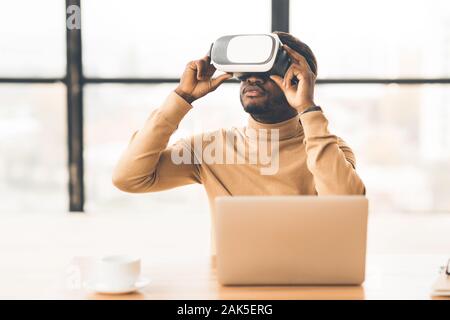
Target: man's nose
x,y
255,79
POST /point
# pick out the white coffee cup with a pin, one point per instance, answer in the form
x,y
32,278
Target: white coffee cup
x,y
116,271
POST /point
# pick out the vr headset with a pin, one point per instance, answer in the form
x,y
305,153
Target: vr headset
x,y
250,54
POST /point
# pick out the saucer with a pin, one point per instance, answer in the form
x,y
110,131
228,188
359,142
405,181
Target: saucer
x,y
105,289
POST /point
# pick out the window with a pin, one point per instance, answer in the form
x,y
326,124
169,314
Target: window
x,y
384,77
32,38
145,38
375,39
33,162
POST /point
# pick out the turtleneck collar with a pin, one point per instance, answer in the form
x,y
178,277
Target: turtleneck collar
x,y
287,129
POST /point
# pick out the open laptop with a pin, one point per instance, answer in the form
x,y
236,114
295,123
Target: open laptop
x,y
291,240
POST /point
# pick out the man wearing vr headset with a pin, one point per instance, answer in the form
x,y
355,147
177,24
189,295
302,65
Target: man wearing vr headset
x,y
312,160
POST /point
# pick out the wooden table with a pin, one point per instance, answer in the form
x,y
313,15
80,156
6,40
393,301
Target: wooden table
x,y
37,251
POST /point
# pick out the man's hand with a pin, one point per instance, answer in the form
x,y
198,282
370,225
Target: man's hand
x,y
197,80
300,96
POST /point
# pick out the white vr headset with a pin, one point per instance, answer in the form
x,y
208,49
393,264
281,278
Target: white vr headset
x,y
247,54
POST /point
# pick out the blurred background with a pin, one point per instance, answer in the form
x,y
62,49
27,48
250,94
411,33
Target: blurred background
x,y
383,82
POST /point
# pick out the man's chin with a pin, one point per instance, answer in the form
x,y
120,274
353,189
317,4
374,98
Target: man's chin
x,y
255,105
255,109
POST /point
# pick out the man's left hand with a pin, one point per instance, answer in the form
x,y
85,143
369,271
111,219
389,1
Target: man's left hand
x,y
301,95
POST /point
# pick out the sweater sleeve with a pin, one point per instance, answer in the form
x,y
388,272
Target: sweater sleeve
x,y
329,159
147,163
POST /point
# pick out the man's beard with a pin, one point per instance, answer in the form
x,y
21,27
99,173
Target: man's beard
x,y
268,107
258,109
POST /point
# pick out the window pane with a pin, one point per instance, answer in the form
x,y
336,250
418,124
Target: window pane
x,y
113,112
383,38
33,142
32,38
156,39
401,139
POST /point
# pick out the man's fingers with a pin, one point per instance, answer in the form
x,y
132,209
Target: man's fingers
x,y
206,58
297,57
294,71
292,53
201,69
210,69
278,80
205,69
288,76
219,79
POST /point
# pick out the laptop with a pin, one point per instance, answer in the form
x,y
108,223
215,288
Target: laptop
x,y
291,240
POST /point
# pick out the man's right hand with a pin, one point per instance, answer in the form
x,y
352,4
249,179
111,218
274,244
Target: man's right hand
x,y
197,80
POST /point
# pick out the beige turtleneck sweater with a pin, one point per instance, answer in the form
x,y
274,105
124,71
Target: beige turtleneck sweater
x,y
311,160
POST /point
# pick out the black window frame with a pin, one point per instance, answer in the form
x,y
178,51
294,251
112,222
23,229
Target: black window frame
x,y
74,81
